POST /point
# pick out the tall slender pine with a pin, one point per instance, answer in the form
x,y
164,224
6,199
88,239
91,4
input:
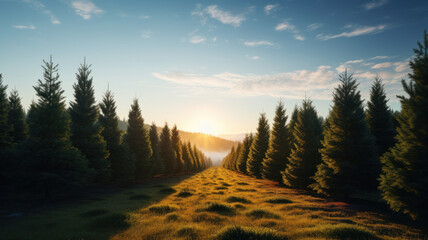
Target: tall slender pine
x,y
175,141
166,151
258,148
155,160
16,118
5,127
243,156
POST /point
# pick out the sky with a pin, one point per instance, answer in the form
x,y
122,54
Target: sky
x,y
211,66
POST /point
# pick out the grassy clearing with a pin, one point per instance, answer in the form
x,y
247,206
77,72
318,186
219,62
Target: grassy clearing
x,y
192,207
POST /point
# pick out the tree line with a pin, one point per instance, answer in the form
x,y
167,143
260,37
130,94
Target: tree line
x,y
354,150
54,149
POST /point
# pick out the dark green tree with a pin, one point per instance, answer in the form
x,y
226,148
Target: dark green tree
x,y
279,147
404,181
85,130
138,141
175,141
243,156
5,127
119,159
379,117
166,151
305,157
187,158
348,162
50,162
291,124
156,162
258,148
16,118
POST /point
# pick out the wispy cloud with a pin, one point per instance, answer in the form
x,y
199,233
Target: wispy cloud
x,y
86,9
29,27
146,34
224,17
252,57
287,26
375,4
197,39
314,26
380,57
143,17
258,43
356,32
42,8
270,8
398,66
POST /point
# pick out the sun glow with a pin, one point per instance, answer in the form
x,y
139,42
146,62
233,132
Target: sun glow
x,y
205,125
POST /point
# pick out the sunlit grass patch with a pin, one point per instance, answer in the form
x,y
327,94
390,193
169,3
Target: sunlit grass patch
x,y
340,231
219,208
162,209
238,232
184,193
242,183
278,200
167,190
207,217
219,192
189,232
111,222
94,213
172,217
268,223
261,213
140,197
226,184
246,190
220,188
233,199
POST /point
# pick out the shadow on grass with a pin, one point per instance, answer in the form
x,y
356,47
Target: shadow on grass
x,y
99,214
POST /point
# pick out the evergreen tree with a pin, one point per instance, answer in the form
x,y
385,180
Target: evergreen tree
x,y
235,157
192,157
175,141
85,130
243,156
291,125
138,141
5,127
16,119
197,158
187,158
404,180
50,162
305,157
119,159
348,163
279,147
258,148
379,117
155,160
166,151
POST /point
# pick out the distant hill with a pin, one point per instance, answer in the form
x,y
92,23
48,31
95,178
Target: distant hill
x,y
203,141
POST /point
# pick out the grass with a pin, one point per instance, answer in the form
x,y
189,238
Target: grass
x,y
247,209
242,233
234,199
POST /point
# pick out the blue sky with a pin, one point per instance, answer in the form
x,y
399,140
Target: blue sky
x,y
211,66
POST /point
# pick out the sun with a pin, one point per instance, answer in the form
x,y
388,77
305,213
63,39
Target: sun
x,y
206,126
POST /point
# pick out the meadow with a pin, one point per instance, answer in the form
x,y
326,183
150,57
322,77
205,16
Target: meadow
x,y
213,204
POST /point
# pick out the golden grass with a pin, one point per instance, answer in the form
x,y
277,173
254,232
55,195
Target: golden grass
x,y
213,204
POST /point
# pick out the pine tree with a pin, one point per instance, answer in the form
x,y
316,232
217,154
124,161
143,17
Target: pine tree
x,y
197,158
305,157
166,151
5,127
348,163
85,130
120,161
291,125
279,147
16,118
50,162
258,148
138,141
236,156
175,141
192,157
404,181
187,158
155,160
379,117
243,156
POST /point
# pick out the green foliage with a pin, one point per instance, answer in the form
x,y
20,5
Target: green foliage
x,y
258,148
155,159
138,141
187,157
348,163
305,156
85,130
241,164
166,151
120,161
279,147
16,119
5,127
176,145
405,167
291,124
243,233
379,117
50,162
